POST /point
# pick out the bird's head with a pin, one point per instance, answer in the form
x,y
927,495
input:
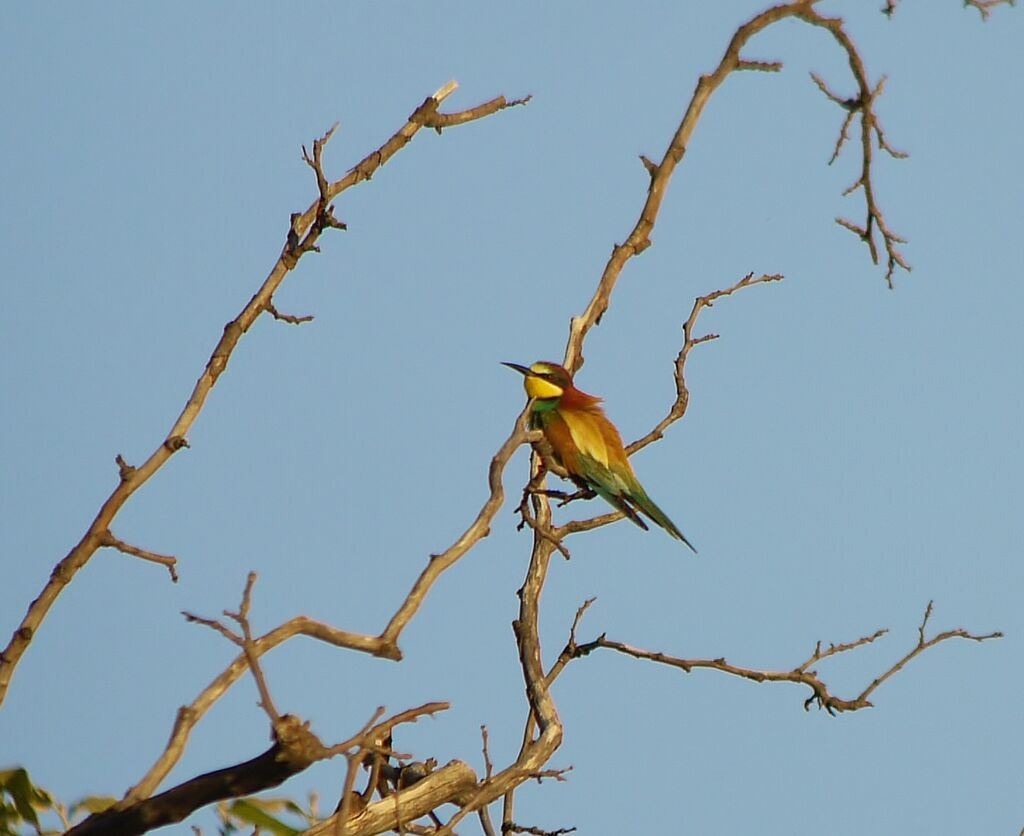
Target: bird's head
x,y
544,381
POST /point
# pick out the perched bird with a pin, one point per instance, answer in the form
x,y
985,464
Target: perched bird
x,y
586,444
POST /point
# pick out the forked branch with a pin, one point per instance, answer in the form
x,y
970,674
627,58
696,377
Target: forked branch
x,y
303,233
803,674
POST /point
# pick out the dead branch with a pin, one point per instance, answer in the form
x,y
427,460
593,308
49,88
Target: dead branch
x,y
188,716
537,750
864,104
242,617
984,7
803,674
451,784
512,827
477,530
278,763
109,540
303,233
678,407
675,411
295,749
639,239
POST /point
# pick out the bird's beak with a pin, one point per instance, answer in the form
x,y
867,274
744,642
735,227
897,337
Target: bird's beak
x,y
523,370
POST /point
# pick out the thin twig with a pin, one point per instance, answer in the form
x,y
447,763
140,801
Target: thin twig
x,y
283,317
131,479
109,540
512,827
488,765
863,103
248,647
802,674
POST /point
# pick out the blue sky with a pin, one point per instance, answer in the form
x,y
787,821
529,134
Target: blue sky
x,y
849,453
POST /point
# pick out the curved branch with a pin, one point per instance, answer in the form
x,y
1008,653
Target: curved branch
x,y
188,716
385,645
451,784
295,749
678,407
305,229
639,239
870,128
803,674
478,529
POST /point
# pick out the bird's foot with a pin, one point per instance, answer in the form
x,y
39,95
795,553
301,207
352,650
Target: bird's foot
x,y
582,493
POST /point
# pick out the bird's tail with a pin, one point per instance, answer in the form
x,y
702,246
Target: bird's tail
x,y
644,503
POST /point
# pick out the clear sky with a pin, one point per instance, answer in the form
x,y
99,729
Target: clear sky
x,y
850,451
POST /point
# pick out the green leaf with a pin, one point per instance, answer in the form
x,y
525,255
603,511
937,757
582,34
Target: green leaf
x,y
254,811
26,797
93,804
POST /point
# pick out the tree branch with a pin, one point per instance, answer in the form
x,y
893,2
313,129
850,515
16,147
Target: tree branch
x,y
109,540
803,674
317,217
863,103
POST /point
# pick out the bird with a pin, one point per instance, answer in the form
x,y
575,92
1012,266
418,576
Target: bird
x,y
586,444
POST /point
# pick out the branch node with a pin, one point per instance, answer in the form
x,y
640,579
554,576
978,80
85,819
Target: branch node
x,y
108,540
268,306
759,66
124,469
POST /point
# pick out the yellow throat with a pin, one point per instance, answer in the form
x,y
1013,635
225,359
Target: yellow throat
x,y
538,387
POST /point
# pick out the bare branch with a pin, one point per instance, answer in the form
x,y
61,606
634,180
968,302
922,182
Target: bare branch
x,y
512,827
863,103
678,407
451,784
759,66
675,412
213,624
661,174
189,715
488,766
242,618
283,317
109,540
802,674
984,8
477,530
440,121
923,644
131,479
543,714
296,750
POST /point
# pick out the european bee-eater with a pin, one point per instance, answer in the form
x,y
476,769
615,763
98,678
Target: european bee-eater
x,y
586,444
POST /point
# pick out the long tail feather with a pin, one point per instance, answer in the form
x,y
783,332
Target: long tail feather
x,y
648,506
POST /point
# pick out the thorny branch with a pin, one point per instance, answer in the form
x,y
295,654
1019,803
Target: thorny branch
x,y
802,674
304,230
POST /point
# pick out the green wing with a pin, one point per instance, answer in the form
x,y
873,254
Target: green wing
x,y
624,492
